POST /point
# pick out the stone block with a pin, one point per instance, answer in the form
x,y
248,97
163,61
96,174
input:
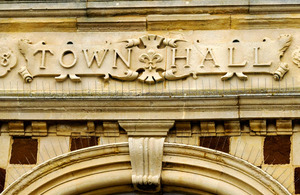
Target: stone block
x,y
258,127
249,148
16,128
183,129
34,24
5,143
284,127
208,128
232,127
52,146
13,172
188,21
39,128
295,149
284,174
137,23
265,21
111,129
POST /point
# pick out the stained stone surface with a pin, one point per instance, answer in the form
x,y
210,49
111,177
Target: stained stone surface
x,y
187,62
151,81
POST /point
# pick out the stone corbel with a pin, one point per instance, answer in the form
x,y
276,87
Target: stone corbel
x,y
16,128
258,127
146,140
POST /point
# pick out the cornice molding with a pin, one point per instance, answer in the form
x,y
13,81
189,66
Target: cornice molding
x,y
92,8
149,108
141,23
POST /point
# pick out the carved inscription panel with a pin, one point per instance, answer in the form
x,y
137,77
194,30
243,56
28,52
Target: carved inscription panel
x,y
150,58
153,58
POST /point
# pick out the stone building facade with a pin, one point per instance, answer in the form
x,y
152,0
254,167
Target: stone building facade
x,y
112,97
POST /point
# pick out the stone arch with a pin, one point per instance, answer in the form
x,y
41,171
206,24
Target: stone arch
x,y
106,169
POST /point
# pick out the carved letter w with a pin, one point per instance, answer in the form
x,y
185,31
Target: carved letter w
x,y
94,57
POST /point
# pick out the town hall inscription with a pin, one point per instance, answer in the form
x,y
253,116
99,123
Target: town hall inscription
x,y
149,59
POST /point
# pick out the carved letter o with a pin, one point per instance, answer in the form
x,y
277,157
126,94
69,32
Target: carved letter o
x,y
67,65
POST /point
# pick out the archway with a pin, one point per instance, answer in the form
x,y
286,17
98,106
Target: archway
x,y
106,169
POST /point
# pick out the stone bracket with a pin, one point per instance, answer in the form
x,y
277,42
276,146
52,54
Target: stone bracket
x,y
146,140
258,127
39,128
146,160
16,128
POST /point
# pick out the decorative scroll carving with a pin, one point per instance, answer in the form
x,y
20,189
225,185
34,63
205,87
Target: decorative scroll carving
x,y
285,41
25,74
170,75
171,42
283,68
296,57
146,139
152,58
146,161
229,75
280,72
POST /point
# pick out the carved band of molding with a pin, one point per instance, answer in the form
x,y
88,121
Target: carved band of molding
x,y
76,129
37,129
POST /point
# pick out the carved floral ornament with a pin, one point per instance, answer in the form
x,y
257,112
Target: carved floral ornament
x,y
150,59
